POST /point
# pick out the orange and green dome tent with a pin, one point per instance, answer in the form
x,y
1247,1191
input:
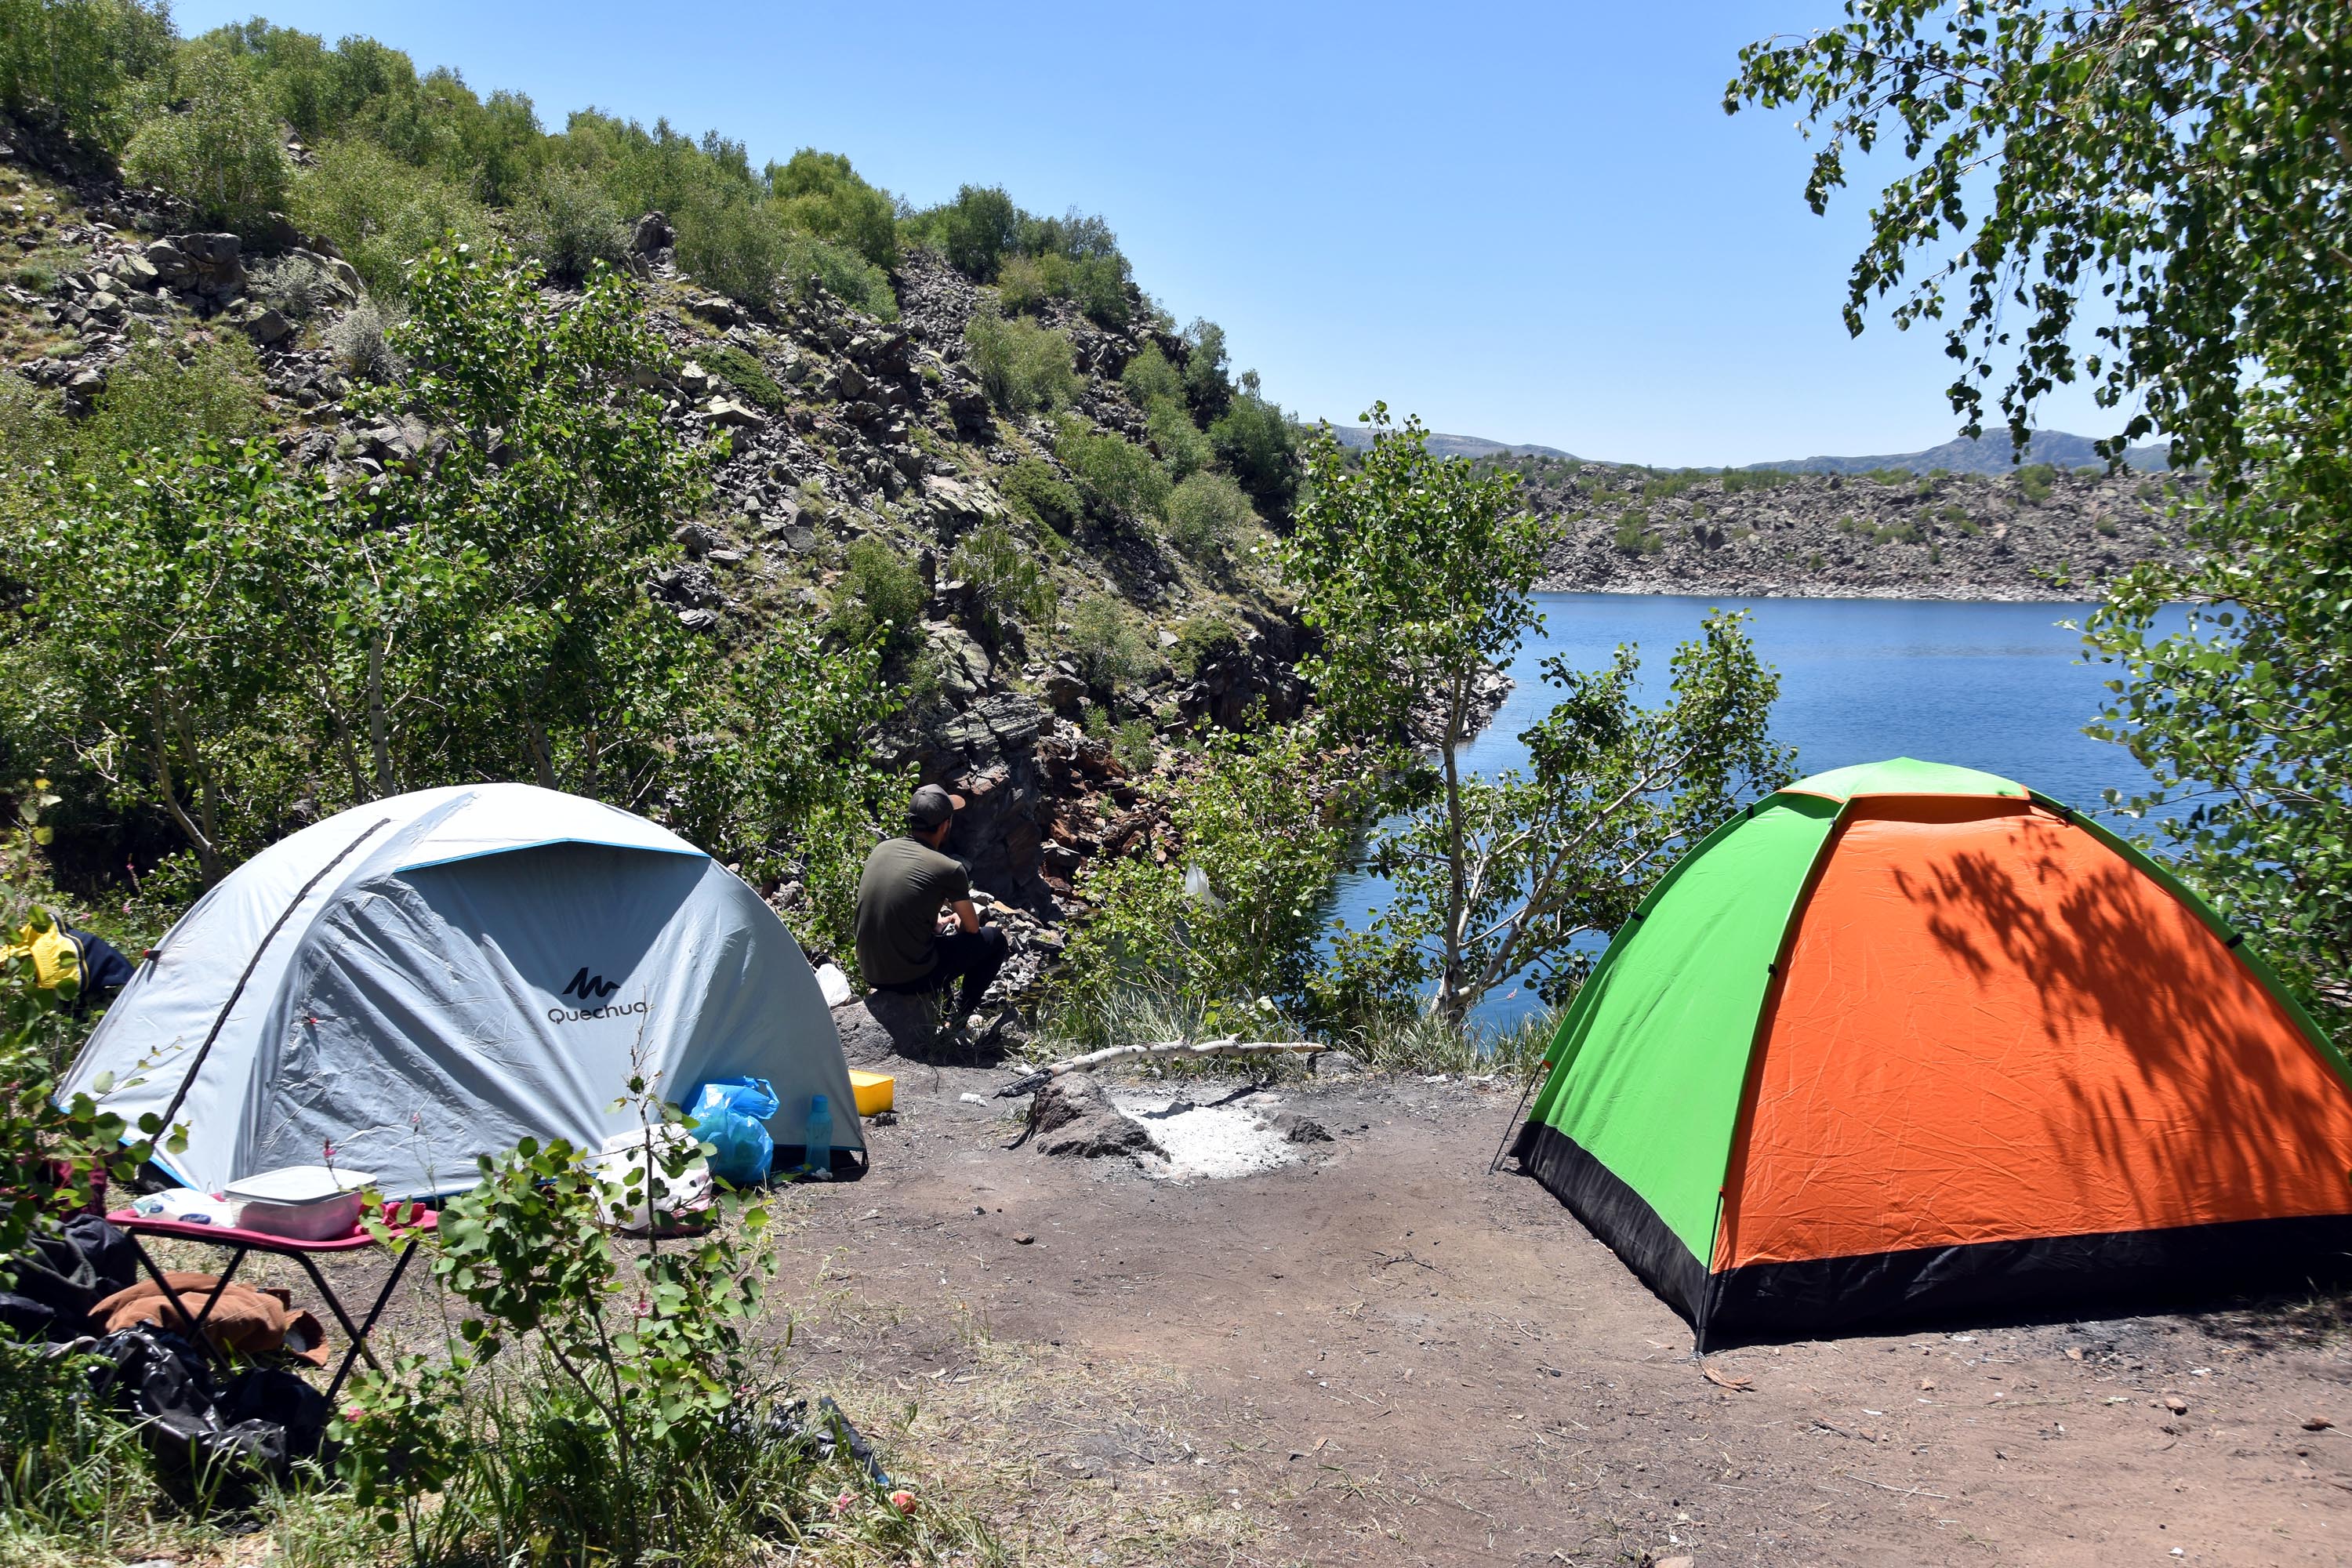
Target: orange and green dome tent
x,y
1909,1040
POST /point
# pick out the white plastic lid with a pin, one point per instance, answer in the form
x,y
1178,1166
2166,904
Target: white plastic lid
x,y
299,1185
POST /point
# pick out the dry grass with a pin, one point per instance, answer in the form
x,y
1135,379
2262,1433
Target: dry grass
x,y
1060,1457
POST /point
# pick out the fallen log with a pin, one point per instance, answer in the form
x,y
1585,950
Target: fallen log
x,y
1230,1046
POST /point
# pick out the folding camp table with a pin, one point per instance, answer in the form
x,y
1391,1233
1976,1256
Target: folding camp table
x,y
404,1235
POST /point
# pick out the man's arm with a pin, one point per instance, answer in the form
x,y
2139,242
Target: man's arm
x,y
967,918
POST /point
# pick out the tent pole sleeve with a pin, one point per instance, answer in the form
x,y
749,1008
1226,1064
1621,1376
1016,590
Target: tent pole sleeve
x,y
1734,1163
220,1018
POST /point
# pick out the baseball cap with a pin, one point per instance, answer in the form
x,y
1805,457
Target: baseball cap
x,y
932,805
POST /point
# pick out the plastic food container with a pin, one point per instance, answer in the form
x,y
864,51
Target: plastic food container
x,y
875,1091
304,1203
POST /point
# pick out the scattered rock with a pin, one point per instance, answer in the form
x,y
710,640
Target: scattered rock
x,y
1335,1064
1073,1117
651,234
1297,1129
1024,1239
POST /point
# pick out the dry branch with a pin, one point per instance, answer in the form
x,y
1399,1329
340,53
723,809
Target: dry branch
x,y
1230,1045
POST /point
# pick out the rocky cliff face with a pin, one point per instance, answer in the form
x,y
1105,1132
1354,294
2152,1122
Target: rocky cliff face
x,y
2034,534
838,428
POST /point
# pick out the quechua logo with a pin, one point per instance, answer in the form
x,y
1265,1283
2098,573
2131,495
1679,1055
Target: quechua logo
x,y
592,990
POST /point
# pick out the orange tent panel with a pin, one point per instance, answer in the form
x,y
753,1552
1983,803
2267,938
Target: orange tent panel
x,y
1990,1027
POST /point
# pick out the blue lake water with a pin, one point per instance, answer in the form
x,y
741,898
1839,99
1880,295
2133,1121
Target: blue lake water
x,y
2004,687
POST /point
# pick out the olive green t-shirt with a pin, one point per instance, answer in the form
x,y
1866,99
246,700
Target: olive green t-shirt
x,y
900,896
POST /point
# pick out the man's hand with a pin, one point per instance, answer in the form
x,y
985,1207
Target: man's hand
x,y
967,918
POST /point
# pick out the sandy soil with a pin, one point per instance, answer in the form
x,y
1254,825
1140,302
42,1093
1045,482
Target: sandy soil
x,y
1380,1354
1377,1353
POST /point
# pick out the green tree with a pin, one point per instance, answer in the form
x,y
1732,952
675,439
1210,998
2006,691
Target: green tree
x,y
528,641
1256,440
2183,166
220,153
78,64
1416,570
977,230
160,630
1531,866
821,195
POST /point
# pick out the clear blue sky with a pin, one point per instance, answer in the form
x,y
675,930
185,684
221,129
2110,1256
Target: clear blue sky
x,y
1531,221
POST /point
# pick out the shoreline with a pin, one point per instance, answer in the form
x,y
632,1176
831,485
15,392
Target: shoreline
x,y
1969,593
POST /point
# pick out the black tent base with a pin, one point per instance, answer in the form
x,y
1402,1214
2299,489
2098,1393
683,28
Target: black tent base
x,y
2111,1274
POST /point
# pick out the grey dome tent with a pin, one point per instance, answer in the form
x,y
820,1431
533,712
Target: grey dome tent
x,y
422,980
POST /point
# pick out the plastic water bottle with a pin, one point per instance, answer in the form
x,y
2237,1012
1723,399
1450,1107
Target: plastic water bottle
x,y
818,1158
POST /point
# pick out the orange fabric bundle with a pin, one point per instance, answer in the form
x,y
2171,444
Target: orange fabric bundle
x,y
248,1320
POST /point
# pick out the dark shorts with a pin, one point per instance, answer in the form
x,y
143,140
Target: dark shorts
x,y
972,956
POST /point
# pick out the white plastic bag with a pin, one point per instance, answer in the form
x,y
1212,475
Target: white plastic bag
x,y
662,1201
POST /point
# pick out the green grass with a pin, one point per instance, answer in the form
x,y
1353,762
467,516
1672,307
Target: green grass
x,y
746,375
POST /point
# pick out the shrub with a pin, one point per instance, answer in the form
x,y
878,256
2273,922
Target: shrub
x,y
383,214
1150,379
296,286
154,401
808,261
1135,745
1634,535
1023,367
358,342
880,595
221,154
1182,447
1033,488
1115,477
569,225
1739,479
1099,285
1105,645
2034,482
1206,517
821,196
728,244
1021,285
1007,587
1254,840
32,427
1259,442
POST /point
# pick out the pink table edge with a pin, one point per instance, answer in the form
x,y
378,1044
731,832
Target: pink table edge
x,y
268,1241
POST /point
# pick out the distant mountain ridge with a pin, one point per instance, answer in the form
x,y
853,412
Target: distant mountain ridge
x,y
1360,436
1962,455
1983,455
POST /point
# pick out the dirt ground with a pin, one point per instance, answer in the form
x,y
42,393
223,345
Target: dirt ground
x,y
1380,1354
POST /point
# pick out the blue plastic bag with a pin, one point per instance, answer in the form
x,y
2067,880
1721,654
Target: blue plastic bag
x,y
730,1114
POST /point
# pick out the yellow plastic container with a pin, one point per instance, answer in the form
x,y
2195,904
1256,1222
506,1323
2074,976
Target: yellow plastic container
x,y
875,1091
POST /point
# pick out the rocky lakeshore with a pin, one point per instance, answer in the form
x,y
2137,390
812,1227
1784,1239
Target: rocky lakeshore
x,y
2038,532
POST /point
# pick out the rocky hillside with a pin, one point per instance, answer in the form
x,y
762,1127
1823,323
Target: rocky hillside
x,y
838,428
2037,532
